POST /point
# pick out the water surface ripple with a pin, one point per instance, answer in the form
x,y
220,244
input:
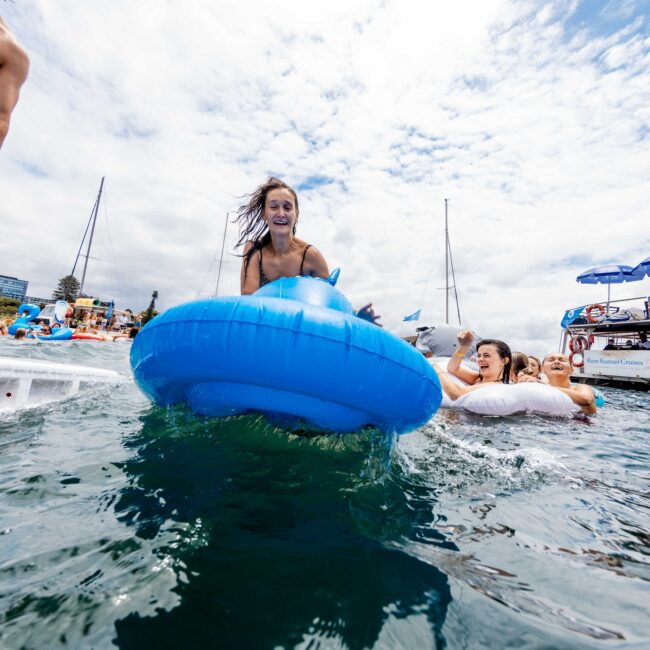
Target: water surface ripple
x,y
124,525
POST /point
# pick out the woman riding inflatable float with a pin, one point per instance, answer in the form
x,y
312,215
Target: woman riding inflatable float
x,y
270,218
291,346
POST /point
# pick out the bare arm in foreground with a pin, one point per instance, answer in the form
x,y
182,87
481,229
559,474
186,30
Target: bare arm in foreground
x,y
14,66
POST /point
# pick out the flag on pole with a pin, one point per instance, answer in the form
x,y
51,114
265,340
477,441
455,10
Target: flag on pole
x,y
109,313
413,316
570,315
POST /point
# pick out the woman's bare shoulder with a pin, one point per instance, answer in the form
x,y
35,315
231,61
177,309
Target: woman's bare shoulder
x,y
315,262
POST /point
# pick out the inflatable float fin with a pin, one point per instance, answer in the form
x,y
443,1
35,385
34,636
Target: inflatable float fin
x,y
334,276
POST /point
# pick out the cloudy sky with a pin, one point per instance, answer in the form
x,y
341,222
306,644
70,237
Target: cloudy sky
x,y
531,117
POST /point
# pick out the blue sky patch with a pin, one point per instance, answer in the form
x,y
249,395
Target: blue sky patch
x,y
313,181
33,169
604,17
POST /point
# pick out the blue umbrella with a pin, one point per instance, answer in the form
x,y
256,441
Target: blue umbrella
x,y
610,274
643,267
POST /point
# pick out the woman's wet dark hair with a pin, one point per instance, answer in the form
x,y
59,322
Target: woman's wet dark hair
x,y
503,350
252,226
519,362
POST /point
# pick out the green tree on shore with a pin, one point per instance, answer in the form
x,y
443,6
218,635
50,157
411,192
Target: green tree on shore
x,y
8,307
149,314
67,289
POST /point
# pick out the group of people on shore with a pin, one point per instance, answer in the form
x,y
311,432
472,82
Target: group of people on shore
x,y
101,328
498,365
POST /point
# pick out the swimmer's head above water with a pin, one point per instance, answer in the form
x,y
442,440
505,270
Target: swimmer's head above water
x,y
556,364
494,360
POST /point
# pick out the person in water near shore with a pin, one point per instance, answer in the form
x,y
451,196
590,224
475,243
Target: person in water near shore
x,y
534,366
557,367
494,361
268,223
519,364
24,334
533,372
126,335
14,66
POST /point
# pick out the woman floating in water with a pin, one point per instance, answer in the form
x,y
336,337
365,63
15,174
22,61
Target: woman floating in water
x,y
494,361
268,224
533,372
558,369
518,365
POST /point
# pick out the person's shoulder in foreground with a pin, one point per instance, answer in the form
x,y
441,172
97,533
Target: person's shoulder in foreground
x,y
14,66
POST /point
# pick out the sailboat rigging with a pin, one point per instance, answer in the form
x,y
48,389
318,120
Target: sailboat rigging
x,y
449,263
91,224
223,246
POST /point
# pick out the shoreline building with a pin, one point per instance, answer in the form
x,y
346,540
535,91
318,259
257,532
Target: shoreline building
x,y
11,287
33,300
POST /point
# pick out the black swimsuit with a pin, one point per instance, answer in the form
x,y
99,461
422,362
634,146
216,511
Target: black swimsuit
x,y
264,280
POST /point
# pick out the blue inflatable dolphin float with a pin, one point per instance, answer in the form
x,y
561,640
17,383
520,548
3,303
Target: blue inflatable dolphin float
x,y
294,349
29,313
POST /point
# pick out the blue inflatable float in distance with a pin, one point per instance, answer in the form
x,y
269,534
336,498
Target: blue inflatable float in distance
x,y
294,349
29,313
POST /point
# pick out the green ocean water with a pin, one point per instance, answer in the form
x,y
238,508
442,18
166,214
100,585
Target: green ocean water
x,y
124,525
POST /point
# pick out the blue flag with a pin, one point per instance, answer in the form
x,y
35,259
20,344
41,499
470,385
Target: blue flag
x,y
413,316
109,313
570,315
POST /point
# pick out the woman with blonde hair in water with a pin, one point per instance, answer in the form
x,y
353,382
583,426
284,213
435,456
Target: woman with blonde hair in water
x,y
268,224
494,361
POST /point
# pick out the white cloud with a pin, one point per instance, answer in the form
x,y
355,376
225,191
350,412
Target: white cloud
x,y
535,129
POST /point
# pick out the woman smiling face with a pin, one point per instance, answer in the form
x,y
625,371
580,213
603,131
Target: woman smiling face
x,y
490,362
280,212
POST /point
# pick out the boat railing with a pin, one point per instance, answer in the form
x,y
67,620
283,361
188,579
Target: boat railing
x,y
613,308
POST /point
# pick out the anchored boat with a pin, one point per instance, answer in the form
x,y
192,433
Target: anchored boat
x,y
606,343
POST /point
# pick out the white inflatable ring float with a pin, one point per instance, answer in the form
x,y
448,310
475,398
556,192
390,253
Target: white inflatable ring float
x,y
508,399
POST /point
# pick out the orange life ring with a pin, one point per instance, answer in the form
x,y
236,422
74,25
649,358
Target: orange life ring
x,y
601,310
576,364
578,344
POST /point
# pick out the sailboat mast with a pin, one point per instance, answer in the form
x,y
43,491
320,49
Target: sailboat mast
x,y
92,232
223,246
446,267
